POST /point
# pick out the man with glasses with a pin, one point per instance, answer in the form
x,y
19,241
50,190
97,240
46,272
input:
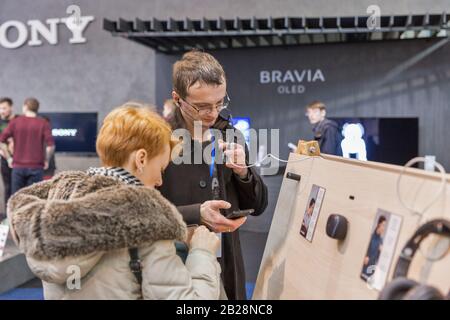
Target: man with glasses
x,y
199,92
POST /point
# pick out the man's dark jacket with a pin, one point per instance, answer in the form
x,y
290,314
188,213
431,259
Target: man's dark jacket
x,y
327,133
189,185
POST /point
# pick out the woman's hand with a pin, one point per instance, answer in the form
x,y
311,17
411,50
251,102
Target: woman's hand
x,y
205,239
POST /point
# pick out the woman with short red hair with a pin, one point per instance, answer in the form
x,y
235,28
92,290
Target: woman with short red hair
x,y
107,233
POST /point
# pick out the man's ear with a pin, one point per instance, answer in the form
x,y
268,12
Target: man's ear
x,y
176,98
324,113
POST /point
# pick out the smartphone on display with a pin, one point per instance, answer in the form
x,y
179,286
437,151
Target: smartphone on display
x,y
239,214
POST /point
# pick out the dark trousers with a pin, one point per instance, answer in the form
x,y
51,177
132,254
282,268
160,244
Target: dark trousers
x,y
6,177
24,177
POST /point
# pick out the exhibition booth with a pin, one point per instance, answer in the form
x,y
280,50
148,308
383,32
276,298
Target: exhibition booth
x,y
371,222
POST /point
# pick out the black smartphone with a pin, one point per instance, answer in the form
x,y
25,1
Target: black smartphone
x,y
239,214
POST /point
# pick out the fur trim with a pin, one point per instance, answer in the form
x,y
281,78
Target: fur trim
x,y
75,214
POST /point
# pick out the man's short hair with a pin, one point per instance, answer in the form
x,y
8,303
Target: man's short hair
x,y
316,105
6,100
32,104
196,66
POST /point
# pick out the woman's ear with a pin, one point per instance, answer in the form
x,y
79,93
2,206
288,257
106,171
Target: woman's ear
x,y
141,159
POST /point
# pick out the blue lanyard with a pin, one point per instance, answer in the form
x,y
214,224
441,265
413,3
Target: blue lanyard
x,y
213,157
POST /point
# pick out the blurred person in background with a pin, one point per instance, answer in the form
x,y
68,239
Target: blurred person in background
x,y
6,115
51,169
31,135
326,131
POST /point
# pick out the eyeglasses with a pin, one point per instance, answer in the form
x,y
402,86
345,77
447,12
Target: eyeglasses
x,y
203,111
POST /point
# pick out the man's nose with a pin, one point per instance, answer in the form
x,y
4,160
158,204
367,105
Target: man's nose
x,y
213,110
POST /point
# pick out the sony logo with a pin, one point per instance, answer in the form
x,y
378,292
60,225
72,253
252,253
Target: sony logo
x,y
291,76
64,132
34,31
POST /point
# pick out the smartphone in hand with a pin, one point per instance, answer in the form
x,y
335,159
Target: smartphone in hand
x,y
239,214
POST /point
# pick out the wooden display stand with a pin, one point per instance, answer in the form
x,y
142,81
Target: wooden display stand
x,y
294,268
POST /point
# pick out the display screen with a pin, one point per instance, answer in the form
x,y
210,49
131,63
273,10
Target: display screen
x,y
243,125
73,132
389,140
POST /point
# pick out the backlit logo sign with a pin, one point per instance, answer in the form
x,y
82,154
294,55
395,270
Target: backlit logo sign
x,y
64,132
291,81
14,33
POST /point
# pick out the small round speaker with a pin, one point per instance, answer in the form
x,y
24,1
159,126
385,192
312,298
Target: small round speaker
x,y
337,226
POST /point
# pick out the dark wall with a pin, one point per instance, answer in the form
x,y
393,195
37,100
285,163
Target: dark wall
x,y
353,86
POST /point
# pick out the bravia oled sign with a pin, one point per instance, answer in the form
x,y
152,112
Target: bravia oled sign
x,y
291,81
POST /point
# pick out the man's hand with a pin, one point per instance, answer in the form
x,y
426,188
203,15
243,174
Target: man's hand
x,y
212,218
6,154
49,150
235,155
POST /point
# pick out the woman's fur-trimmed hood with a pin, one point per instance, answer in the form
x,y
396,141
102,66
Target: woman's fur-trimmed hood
x,y
75,214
